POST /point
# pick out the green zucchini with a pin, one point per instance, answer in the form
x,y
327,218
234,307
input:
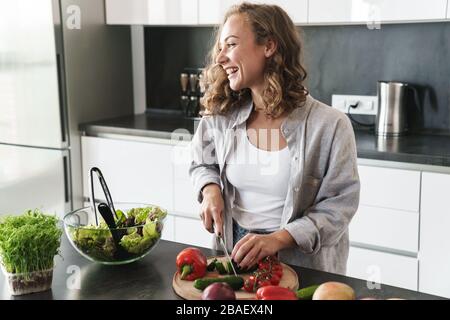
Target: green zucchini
x,y
229,268
220,268
212,265
306,293
238,269
235,282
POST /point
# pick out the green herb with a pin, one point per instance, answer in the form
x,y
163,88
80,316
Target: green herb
x,y
29,242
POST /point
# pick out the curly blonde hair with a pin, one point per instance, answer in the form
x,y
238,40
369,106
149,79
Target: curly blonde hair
x,y
284,73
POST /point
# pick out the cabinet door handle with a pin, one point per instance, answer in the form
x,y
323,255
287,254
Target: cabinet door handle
x,y
66,179
61,93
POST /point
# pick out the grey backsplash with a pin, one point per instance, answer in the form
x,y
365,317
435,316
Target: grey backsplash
x,y
339,59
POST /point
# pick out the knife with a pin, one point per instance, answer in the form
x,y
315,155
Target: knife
x,y
224,248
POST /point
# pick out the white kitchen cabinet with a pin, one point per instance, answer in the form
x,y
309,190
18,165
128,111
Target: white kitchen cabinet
x,y
181,159
33,178
185,200
212,11
297,9
148,172
434,254
448,9
332,11
152,12
370,11
192,232
382,267
386,228
169,229
390,188
135,171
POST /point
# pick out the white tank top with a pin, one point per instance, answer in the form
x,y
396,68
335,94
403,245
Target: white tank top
x,y
261,180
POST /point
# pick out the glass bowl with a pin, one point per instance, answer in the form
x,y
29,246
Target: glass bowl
x,y
139,231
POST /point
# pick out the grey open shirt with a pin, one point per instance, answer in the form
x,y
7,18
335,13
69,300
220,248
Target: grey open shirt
x,y
323,192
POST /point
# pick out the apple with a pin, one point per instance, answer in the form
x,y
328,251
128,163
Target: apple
x,y
334,291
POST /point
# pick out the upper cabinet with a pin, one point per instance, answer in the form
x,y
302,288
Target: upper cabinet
x,y
297,9
302,12
375,11
448,9
152,12
212,11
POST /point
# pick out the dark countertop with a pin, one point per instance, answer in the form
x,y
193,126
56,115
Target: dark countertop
x,y
413,148
151,278
144,125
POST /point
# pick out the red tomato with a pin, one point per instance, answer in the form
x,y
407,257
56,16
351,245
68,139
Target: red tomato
x,y
250,284
263,265
263,283
277,270
275,279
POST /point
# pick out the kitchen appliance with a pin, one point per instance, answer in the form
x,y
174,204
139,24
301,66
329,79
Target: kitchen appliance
x,y
391,119
60,65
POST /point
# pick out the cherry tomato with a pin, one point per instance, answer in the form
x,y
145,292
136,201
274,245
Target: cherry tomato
x,y
263,265
250,284
263,283
277,270
275,280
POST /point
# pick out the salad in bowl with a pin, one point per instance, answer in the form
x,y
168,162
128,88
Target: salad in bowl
x,y
138,230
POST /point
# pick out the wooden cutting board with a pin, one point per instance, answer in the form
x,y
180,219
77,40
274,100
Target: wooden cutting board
x,y
186,290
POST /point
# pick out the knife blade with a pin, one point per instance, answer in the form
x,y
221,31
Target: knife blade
x,y
224,247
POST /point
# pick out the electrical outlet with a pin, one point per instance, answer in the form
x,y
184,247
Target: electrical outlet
x,y
365,104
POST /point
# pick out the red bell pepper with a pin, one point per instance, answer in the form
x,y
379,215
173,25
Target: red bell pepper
x,y
275,293
191,264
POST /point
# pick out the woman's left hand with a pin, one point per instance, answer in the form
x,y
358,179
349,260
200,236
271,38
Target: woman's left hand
x,y
253,247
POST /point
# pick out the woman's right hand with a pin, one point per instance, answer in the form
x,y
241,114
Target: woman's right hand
x,y
212,208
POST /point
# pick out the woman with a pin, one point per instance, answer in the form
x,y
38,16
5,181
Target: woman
x,y
275,170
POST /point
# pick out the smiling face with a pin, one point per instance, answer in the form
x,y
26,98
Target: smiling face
x,y
240,56
257,54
